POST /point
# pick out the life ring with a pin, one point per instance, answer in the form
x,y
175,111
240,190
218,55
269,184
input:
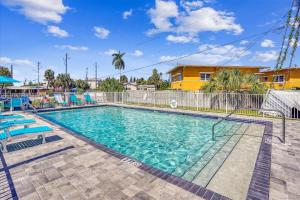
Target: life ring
x,y
173,103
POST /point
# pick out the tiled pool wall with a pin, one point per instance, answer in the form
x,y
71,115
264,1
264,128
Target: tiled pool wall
x,y
260,182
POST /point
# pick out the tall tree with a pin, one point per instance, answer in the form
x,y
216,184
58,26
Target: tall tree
x,y
154,79
49,76
4,71
123,79
118,62
234,81
111,85
64,81
82,85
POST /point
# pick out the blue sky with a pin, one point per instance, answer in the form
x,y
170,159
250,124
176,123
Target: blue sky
x,y
148,31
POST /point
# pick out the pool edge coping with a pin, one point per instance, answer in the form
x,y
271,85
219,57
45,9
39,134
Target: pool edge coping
x,y
260,175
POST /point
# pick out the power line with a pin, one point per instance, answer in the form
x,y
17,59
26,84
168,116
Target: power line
x,y
201,51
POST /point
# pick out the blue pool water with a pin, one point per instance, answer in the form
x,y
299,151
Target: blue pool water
x,y
170,142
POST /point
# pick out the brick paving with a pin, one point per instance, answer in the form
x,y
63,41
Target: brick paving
x,y
86,172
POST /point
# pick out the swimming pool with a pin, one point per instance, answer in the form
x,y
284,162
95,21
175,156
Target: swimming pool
x,y
177,144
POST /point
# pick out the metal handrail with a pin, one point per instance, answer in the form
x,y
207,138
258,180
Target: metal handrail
x,y
270,110
283,121
31,106
213,127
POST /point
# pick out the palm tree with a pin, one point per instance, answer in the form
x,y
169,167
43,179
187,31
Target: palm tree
x,y
64,81
234,81
49,76
118,62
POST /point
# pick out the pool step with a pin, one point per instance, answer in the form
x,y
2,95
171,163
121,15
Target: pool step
x,y
204,153
193,170
206,174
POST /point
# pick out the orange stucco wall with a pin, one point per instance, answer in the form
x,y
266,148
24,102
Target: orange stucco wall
x,y
291,76
191,76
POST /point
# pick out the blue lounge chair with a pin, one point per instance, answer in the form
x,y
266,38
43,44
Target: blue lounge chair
x,y
74,100
6,135
17,122
10,116
59,100
88,99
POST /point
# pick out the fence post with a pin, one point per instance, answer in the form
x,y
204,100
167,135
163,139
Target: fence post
x,y
226,108
154,99
197,101
122,97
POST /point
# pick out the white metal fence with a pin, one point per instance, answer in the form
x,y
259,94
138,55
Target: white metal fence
x,y
248,104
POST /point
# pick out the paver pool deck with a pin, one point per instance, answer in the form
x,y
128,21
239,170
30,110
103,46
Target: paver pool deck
x,y
70,168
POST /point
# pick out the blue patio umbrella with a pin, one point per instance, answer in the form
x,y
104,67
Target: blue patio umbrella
x,y
7,79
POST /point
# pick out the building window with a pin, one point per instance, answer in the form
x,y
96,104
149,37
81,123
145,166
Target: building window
x,y
264,79
179,77
278,79
205,76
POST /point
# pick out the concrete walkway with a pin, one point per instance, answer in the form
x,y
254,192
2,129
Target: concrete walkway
x,y
78,170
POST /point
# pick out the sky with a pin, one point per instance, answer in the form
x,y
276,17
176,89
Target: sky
x,y
148,31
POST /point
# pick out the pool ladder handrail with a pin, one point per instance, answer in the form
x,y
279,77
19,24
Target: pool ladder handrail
x,y
218,122
31,106
261,110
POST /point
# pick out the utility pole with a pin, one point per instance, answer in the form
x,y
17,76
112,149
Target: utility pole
x,y
86,74
38,72
11,71
96,72
66,58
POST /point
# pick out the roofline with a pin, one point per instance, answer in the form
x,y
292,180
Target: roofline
x,y
274,70
218,66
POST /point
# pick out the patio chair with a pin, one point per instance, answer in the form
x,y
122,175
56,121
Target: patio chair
x,y
59,100
88,99
24,122
7,136
14,103
74,100
10,116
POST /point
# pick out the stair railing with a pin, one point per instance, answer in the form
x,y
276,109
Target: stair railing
x,y
270,110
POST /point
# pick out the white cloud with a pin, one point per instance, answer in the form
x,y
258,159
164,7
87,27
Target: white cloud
x,y
208,19
10,61
110,52
266,56
42,11
137,53
101,32
181,39
191,5
127,14
213,56
244,42
74,48
57,32
195,18
267,43
161,14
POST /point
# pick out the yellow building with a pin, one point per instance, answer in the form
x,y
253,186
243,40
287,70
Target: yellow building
x,y
282,79
194,77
